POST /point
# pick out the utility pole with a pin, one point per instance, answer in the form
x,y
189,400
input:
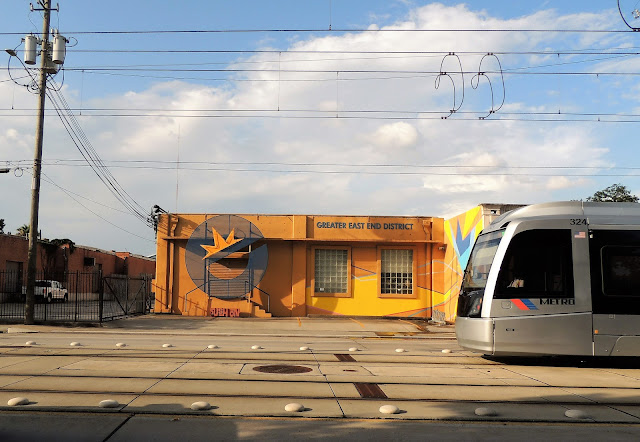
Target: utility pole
x,y
37,164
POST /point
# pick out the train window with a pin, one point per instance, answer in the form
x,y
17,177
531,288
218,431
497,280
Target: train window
x,y
477,271
621,270
537,264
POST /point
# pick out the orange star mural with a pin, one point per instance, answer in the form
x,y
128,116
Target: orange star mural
x,y
220,243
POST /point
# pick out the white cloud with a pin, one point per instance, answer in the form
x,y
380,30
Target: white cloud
x,y
562,182
370,117
395,136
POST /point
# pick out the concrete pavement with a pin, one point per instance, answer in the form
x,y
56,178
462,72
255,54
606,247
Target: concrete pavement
x,y
336,368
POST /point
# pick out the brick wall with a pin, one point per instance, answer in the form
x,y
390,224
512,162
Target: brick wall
x,y
83,259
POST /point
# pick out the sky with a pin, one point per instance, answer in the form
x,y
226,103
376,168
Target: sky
x,y
332,107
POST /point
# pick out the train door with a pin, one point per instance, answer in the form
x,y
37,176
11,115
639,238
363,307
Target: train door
x,y
539,305
615,289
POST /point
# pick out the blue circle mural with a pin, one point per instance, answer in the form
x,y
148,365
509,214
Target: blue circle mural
x,y
224,256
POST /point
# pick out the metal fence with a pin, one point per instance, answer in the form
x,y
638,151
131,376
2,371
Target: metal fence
x,y
75,296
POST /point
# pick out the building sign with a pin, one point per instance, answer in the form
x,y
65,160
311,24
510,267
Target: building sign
x,y
370,228
224,258
225,312
367,226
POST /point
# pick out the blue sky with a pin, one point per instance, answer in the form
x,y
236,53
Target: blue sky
x,y
289,121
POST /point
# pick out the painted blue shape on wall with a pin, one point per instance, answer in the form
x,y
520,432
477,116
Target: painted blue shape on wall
x,y
463,245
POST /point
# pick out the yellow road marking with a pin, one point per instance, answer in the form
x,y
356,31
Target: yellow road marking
x,y
357,322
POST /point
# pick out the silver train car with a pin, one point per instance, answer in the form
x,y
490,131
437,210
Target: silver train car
x,y
554,279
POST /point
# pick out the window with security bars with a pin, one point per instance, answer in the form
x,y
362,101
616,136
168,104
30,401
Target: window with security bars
x,y
396,272
331,272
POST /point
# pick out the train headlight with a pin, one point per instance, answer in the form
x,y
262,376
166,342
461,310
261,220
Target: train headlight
x,y
476,307
470,304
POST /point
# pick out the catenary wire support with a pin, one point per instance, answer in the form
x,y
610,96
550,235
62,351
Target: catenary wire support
x,y
475,83
443,73
636,15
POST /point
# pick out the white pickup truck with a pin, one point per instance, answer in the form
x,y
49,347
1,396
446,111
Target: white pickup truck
x,y
49,290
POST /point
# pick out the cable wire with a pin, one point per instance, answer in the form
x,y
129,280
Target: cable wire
x,y
86,149
71,195
336,31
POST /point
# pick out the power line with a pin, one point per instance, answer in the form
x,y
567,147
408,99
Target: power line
x,y
172,163
360,169
85,148
332,113
337,31
50,181
353,71
340,115
390,56
71,195
600,51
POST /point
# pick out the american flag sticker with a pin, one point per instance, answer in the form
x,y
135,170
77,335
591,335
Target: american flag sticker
x,y
580,235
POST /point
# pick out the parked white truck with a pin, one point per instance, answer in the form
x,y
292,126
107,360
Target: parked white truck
x,y
48,290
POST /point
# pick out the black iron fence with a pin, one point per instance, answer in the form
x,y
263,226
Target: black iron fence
x,y
75,296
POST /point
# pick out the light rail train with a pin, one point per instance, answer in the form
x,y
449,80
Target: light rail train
x,y
554,279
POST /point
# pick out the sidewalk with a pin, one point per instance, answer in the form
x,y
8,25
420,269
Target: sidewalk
x,y
316,326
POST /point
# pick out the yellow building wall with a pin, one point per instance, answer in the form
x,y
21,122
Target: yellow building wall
x,y
286,288
461,233
365,299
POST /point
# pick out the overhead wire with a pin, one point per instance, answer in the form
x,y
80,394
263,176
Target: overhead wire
x,y
172,163
609,56
79,138
84,146
348,114
71,195
363,169
354,71
367,115
335,31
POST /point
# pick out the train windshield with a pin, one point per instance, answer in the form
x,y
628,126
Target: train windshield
x,y
477,271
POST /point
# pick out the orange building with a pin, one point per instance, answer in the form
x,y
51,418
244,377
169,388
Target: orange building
x,y
298,265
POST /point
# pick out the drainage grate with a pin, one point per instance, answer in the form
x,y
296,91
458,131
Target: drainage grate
x,y
345,358
370,391
282,369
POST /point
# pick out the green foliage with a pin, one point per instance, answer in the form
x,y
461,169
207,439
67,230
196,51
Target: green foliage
x,y
616,193
64,241
23,230
2,225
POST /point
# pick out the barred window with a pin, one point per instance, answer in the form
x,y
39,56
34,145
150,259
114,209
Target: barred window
x,y
396,271
331,272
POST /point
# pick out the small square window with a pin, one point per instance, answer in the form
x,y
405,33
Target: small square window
x,y
396,272
331,274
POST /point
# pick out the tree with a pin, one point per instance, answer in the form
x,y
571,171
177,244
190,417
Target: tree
x,y
64,242
2,225
616,193
23,230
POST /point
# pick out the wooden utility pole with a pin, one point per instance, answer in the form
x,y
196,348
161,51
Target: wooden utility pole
x,y
37,164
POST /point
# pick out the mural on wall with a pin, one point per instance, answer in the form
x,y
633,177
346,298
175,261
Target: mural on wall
x,y
460,235
221,259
